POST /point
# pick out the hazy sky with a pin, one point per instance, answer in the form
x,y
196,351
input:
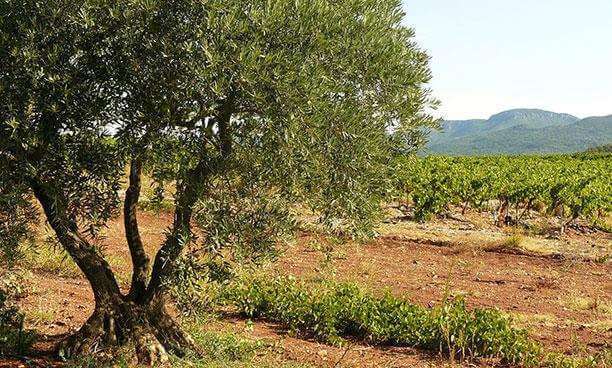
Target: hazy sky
x,y
494,55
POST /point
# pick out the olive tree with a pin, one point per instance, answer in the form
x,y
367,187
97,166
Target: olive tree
x,y
245,107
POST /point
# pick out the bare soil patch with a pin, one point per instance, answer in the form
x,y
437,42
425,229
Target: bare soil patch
x,y
565,301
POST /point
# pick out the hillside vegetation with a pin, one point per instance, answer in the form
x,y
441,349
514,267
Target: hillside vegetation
x,y
607,148
521,131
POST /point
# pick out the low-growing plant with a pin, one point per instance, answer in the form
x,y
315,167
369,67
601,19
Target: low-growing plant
x,y
13,283
14,339
228,349
512,243
94,361
557,360
332,311
227,346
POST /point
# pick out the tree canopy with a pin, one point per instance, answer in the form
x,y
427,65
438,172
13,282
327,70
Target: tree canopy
x,y
245,107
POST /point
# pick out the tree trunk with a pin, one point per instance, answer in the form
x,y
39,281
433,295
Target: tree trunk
x,y
97,271
502,213
566,224
188,192
168,255
140,260
141,316
527,209
117,320
464,209
150,328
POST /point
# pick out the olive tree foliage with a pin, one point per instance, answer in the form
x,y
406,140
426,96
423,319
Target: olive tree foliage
x,y
245,107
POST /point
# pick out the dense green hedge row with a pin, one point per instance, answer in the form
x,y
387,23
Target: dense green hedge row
x,y
331,311
571,186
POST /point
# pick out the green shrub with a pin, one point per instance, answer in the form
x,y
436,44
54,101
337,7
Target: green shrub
x,y
331,311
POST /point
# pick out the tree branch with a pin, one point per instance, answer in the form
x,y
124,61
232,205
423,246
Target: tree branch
x,y
224,118
165,260
188,193
140,260
95,268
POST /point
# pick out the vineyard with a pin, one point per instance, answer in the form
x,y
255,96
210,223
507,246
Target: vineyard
x,y
233,184
567,186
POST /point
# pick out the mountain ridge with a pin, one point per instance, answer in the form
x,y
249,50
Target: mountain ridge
x,y
521,131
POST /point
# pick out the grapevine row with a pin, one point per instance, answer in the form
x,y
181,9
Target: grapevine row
x,y
569,186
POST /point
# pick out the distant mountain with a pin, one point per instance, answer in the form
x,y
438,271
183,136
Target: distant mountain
x,y
521,131
606,148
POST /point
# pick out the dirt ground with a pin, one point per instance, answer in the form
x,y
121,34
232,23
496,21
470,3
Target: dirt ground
x,y
560,288
567,303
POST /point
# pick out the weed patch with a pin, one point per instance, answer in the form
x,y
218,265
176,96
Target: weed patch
x,y
223,349
48,257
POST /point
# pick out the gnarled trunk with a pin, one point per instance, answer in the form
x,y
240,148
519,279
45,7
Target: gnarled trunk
x,y
150,328
117,319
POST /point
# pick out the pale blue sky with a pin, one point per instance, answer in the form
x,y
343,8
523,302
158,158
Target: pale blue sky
x,y
494,55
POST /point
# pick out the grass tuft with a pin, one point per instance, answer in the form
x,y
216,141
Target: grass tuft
x,y
515,241
227,349
47,257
